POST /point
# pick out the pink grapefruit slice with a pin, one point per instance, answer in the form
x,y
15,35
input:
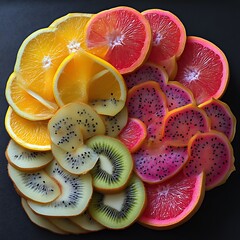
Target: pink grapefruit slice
x,y
203,68
133,134
174,201
121,35
168,35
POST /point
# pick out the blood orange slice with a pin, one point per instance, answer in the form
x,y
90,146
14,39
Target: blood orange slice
x,y
133,134
173,202
168,35
122,36
203,68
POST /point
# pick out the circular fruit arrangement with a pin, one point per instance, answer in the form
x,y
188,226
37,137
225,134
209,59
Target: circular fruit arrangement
x,y
115,118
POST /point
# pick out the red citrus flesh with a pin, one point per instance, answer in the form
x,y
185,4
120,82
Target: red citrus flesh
x,y
133,134
203,68
174,201
169,35
122,36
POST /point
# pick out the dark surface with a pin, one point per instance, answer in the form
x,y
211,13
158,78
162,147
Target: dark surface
x,y
218,217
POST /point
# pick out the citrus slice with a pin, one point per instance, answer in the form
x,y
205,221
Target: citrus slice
x,y
174,201
203,68
29,134
25,103
37,61
169,35
86,78
70,30
121,36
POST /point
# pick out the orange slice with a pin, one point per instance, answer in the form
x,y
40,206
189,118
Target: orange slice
x,y
29,134
25,102
86,78
121,35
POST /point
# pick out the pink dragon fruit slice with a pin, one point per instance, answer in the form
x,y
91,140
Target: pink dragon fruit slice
x,y
158,162
221,116
177,95
147,72
182,123
212,153
147,102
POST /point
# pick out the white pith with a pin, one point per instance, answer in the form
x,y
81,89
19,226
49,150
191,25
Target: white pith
x,y
73,46
46,62
191,74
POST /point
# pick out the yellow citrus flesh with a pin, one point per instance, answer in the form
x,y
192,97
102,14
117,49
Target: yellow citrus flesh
x,y
86,78
25,102
29,134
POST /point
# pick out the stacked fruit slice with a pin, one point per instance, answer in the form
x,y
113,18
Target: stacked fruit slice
x,y
115,118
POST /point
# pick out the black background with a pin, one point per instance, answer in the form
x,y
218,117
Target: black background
x,y
217,21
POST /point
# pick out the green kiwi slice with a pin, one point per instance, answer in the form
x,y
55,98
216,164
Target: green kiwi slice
x,y
114,166
121,209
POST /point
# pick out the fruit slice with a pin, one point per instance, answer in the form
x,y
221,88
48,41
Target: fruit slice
x,y
37,186
114,124
170,66
160,161
41,221
147,72
29,134
212,153
79,76
74,123
86,222
25,159
147,102
70,30
169,35
121,36
203,68
25,102
115,164
177,95
182,123
37,61
80,161
221,117
133,134
76,192
173,202
121,209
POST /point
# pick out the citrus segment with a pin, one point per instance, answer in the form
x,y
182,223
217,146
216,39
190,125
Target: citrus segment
x,y
120,35
38,59
25,103
86,78
29,134
203,68
169,34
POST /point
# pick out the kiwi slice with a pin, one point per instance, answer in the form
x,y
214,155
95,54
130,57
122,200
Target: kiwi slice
x,y
40,221
119,210
37,186
66,225
80,161
76,192
86,221
25,159
115,164
114,124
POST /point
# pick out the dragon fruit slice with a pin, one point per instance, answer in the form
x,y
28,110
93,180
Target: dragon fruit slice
x,y
177,95
147,72
221,116
182,123
212,153
148,103
158,162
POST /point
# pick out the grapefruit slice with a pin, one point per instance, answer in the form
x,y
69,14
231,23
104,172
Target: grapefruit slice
x,y
133,134
168,35
121,36
173,202
203,68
